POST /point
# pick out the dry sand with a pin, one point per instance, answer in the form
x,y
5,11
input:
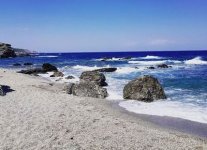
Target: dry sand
x,y
38,115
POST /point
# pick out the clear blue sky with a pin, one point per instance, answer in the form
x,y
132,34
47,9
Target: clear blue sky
x,y
104,25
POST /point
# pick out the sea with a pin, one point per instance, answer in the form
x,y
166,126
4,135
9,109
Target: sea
x,y
185,83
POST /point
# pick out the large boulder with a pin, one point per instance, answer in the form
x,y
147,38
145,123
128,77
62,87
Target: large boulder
x,y
94,76
87,89
2,91
48,67
146,88
6,51
106,70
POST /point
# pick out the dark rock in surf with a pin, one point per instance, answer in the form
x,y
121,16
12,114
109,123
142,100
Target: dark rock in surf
x,y
57,74
48,67
28,64
151,67
106,70
146,88
17,64
70,77
162,66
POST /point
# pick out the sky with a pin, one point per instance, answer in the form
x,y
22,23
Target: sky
x,y
104,25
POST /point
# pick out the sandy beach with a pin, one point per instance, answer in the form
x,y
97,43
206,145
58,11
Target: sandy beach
x,y
38,114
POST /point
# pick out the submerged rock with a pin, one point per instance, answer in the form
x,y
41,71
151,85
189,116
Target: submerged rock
x,y
162,66
28,64
106,70
57,74
17,64
70,77
94,76
87,89
146,88
48,67
151,67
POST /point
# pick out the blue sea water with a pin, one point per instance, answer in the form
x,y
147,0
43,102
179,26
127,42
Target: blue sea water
x,y
185,83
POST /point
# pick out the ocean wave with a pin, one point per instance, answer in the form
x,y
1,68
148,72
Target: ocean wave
x,y
115,59
128,70
88,68
167,108
147,62
49,56
196,61
151,57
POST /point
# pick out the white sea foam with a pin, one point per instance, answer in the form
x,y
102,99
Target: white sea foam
x,y
126,70
196,61
88,68
151,57
49,56
147,62
167,108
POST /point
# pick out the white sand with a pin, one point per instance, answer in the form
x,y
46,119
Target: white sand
x,y
40,116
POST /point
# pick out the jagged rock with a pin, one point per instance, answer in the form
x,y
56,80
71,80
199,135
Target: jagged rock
x,y
34,71
146,88
2,91
6,51
70,77
106,70
88,89
94,76
28,64
57,74
162,66
48,67
17,64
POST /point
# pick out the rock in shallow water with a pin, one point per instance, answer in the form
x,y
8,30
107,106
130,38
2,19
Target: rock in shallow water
x,y
48,67
87,89
146,88
106,70
57,74
94,76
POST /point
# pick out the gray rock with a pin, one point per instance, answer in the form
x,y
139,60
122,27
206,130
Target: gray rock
x,y
57,74
162,66
88,89
94,76
146,88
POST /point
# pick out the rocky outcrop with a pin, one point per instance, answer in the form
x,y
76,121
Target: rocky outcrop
x,y
48,67
146,88
94,76
87,89
6,51
106,70
57,74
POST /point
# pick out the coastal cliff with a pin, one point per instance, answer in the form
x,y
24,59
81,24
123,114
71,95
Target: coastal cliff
x,y
7,51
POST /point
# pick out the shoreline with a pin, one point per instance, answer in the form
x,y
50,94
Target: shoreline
x,y
37,108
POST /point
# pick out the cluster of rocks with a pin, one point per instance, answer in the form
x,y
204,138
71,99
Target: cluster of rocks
x,y
160,66
7,51
111,58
